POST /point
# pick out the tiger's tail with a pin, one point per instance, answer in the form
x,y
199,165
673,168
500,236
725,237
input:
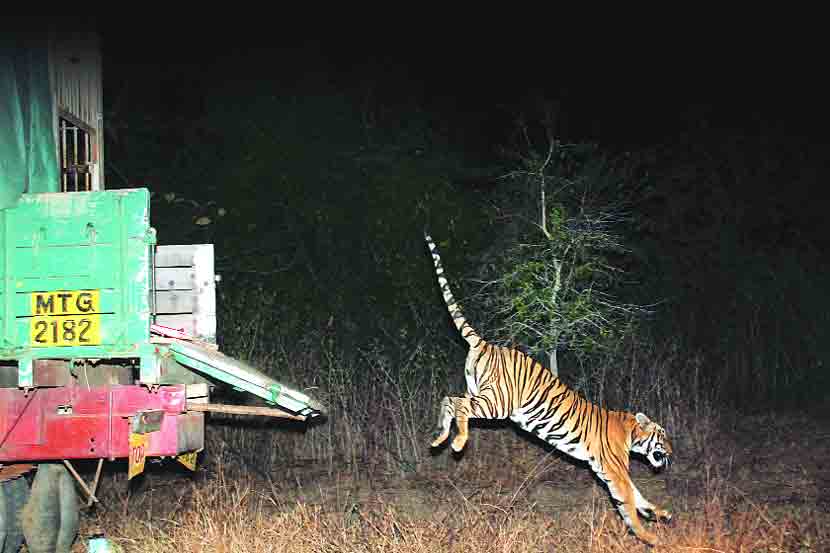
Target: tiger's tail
x,y
467,331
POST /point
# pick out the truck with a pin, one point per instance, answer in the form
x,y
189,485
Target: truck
x,y
107,338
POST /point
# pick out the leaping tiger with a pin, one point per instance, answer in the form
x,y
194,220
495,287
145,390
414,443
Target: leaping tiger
x,y
506,383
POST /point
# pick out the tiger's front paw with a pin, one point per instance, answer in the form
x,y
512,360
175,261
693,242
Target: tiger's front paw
x,y
439,438
663,515
649,538
459,442
656,515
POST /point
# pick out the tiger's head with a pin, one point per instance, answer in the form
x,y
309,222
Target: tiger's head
x,y
649,440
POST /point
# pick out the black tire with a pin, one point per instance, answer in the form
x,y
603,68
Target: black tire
x,y
13,496
50,518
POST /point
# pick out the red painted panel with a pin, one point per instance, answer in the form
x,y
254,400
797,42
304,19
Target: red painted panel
x,y
74,422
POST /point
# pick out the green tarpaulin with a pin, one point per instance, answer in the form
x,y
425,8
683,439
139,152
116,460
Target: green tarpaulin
x,y
28,158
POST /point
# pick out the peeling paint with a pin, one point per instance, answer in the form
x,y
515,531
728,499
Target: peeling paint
x,y
79,241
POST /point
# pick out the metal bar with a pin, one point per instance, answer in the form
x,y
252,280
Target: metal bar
x,y
239,375
89,501
75,157
87,163
64,158
243,410
80,481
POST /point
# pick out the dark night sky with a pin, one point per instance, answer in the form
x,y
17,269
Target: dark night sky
x,y
611,90
689,92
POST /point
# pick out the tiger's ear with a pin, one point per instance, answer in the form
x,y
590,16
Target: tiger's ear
x,y
642,420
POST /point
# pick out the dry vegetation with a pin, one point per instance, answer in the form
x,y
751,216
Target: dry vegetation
x,y
365,480
487,504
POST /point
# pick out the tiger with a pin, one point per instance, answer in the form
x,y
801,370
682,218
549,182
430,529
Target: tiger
x,y
506,383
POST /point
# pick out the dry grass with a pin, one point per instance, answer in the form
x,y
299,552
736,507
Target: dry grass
x,y
504,495
386,434
222,515
365,480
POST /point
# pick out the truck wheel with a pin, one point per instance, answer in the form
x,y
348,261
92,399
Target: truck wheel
x,y
13,495
50,518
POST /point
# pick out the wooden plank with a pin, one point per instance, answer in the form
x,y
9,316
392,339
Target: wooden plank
x,y
175,278
184,321
203,327
55,261
243,410
176,301
186,255
186,289
185,286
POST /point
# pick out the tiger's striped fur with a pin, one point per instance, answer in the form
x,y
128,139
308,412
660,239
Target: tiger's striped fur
x,y
506,383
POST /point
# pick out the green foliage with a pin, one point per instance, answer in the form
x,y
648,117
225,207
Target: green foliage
x,y
557,288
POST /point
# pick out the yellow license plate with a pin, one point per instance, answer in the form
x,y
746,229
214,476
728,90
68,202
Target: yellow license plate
x,y
138,454
65,318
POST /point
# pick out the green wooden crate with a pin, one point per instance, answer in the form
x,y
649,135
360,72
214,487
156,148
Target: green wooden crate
x,y
75,276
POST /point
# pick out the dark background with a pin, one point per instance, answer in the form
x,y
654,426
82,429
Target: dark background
x,y
313,164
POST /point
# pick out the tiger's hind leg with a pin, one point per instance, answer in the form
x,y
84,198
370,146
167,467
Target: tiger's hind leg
x,y
484,405
457,408
445,416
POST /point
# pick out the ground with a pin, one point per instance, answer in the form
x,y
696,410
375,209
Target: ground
x,y
756,483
